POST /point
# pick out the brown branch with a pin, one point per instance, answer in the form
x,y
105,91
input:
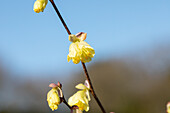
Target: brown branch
x,y
59,15
92,89
83,64
65,102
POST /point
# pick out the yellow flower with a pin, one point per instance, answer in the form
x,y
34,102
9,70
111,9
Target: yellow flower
x,y
168,107
80,50
81,98
40,5
53,98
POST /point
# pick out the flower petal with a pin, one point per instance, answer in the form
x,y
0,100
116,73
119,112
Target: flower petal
x,y
79,99
81,86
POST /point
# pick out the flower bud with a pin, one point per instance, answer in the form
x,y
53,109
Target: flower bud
x,y
81,36
52,85
40,5
72,38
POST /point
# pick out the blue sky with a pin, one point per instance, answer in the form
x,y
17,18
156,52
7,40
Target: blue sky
x,y
38,43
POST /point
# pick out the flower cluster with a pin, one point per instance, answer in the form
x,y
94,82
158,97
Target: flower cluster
x,y
40,5
80,50
80,98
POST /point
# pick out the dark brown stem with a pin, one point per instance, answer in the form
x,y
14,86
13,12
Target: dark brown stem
x,y
84,66
65,102
92,89
62,98
59,15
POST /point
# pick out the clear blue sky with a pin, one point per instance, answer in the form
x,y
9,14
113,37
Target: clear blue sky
x,y
38,43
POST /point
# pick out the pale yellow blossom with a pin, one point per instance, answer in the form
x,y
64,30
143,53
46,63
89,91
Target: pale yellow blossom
x,y
53,98
79,50
40,5
80,98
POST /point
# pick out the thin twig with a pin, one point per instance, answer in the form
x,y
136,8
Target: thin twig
x,y
65,102
92,89
59,15
83,64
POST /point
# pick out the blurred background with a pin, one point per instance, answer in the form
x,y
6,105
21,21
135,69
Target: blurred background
x,y
131,68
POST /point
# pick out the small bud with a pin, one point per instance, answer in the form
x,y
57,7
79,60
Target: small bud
x,y
59,85
72,38
86,83
40,5
81,36
52,85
